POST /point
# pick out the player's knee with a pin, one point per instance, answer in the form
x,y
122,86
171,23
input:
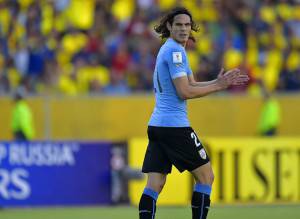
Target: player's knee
x,y
211,177
205,177
156,185
160,185
208,177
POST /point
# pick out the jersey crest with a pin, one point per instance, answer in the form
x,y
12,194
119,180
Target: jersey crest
x,y
177,57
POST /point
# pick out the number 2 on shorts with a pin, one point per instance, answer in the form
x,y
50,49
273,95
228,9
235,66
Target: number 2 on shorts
x,y
194,136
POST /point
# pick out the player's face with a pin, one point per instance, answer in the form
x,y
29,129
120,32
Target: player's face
x,y
181,28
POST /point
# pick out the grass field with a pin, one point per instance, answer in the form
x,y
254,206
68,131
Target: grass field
x,y
228,212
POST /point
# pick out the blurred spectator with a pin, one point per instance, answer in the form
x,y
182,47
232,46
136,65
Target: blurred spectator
x,y
269,119
22,118
121,173
117,85
117,37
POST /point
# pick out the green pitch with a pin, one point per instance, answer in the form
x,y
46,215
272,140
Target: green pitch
x,y
232,212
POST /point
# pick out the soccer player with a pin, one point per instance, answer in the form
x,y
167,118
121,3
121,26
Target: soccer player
x,y
171,139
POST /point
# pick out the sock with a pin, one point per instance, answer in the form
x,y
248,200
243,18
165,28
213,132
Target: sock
x,y
201,201
147,205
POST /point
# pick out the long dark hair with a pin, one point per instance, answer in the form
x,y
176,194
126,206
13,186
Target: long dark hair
x,y
162,29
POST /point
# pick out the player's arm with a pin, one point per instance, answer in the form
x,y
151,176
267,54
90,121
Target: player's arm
x,y
187,90
193,82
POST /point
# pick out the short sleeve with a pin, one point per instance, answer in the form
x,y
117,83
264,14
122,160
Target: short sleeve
x,y
189,70
177,62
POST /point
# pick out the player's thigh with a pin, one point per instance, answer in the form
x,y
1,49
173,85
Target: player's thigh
x,y
204,174
185,150
156,160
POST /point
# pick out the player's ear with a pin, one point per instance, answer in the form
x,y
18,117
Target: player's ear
x,y
169,26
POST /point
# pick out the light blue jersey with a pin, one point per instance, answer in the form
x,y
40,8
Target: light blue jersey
x,y
170,110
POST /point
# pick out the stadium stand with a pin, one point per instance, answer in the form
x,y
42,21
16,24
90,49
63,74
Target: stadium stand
x,y
108,47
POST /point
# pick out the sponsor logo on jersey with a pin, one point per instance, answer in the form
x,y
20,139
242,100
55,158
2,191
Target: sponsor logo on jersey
x,y
177,57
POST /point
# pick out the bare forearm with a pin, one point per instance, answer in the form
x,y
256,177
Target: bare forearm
x,y
188,88
202,83
196,90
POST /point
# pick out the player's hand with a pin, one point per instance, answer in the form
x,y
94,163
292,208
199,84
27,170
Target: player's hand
x,y
231,77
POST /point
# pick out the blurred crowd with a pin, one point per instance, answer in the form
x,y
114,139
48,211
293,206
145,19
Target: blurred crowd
x,y
78,47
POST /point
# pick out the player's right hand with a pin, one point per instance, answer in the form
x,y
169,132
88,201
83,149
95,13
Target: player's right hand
x,y
231,77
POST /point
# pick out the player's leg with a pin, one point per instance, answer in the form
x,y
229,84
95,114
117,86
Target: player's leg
x,y
191,157
157,166
156,181
147,205
204,178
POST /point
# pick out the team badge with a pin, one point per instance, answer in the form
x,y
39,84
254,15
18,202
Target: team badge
x,y
177,57
202,154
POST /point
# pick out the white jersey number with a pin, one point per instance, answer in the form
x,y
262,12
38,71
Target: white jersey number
x,y
194,136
